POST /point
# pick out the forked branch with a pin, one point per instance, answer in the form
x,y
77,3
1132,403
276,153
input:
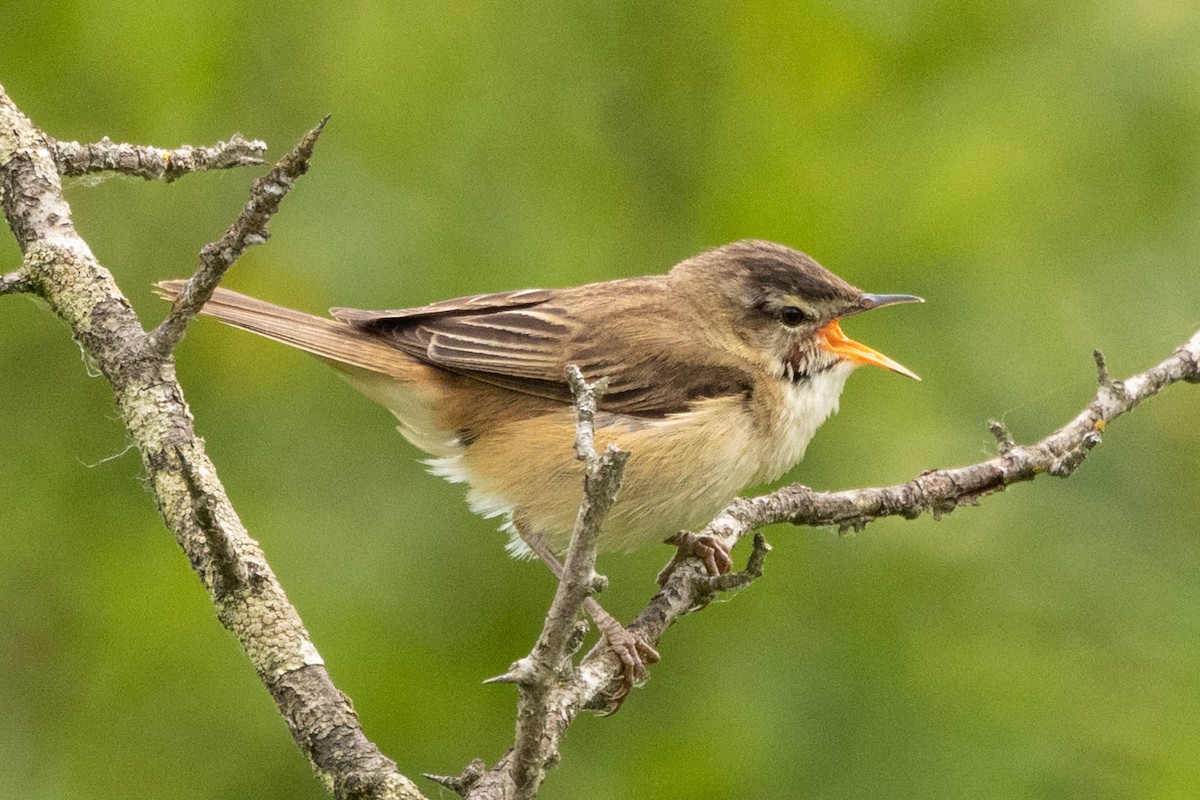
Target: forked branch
x,y
250,228
250,602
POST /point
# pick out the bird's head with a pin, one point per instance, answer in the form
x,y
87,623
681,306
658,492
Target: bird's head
x,y
780,305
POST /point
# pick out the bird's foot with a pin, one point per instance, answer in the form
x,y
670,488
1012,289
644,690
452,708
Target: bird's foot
x,y
634,651
711,550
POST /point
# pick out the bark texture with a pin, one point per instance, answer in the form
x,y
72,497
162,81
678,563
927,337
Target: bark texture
x,y
60,267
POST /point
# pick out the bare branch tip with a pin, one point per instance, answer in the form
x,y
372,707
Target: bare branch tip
x,y
1117,388
461,783
521,673
613,458
579,386
1004,440
249,229
1101,369
304,148
758,555
581,390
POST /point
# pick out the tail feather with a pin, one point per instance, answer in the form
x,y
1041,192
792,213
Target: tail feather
x,y
328,339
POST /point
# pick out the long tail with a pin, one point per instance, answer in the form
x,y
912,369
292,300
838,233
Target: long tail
x,y
328,339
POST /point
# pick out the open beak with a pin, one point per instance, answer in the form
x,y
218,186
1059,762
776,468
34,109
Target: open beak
x,y
838,343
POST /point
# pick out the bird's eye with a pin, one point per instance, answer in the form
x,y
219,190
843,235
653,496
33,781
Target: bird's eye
x,y
791,316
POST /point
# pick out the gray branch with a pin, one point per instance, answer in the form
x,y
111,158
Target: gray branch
x,y
941,491
552,693
60,267
154,163
535,745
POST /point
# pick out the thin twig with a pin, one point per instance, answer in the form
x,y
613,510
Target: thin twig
x,y
155,163
534,747
736,581
1101,369
1004,440
250,228
460,783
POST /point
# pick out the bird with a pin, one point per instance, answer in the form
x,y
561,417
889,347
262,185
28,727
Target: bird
x,y
718,375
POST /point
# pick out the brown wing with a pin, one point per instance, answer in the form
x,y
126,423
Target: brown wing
x,y
524,340
472,304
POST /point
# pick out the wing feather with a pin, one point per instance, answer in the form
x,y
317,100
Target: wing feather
x,y
476,303
524,340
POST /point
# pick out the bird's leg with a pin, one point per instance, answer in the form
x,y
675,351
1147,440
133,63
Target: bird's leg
x,y
712,551
634,651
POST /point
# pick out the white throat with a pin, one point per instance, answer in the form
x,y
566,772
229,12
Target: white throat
x,y
806,405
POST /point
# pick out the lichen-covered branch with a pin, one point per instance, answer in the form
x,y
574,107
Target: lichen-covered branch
x,y
540,725
60,267
552,693
155,163
941,491
534,745
587,686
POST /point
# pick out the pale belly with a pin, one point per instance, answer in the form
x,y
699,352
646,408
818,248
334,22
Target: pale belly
x,y
681,470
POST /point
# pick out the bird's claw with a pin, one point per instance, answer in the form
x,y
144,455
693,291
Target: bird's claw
x,y
634,652
712,551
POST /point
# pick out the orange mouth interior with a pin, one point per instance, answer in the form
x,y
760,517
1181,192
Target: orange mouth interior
x,y
838,343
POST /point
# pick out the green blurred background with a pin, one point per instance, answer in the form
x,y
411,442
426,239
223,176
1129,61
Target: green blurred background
x,y
1032,169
